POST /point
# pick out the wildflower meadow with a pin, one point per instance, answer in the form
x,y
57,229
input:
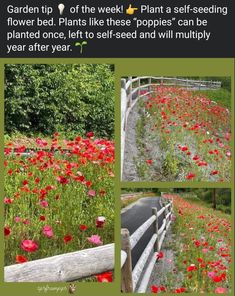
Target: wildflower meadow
x,y
183,135
59,157
202,247
58,200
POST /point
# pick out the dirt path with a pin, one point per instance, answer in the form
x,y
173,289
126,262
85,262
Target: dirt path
x,y
131,151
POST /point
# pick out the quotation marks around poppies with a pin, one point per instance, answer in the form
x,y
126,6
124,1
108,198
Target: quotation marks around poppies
x,y
81,44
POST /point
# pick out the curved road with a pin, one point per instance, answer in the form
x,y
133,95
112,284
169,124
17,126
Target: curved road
x,y
137,215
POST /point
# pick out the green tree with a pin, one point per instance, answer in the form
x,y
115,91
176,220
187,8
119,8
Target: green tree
x,y
66,98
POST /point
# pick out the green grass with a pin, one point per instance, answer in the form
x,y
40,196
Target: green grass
x,y
134,198
192,197
221,96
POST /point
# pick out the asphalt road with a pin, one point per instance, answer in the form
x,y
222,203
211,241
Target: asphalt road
x,y
137,215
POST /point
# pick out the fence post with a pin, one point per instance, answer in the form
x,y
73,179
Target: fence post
x,y
129,92
150,86
138,87
156,245
123,83
127,283
165,214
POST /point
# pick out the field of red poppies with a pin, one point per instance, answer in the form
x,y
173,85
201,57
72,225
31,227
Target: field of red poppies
x,y
183,136
59,197
203,250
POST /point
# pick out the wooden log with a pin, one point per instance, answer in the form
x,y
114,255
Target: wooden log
x,y
156,245
168,205
159,213
150,83
162,227
137,271
130,92
168,215
123,83
123,258
126,274
165,214
145,279
162,239
62,268
136,236
138,88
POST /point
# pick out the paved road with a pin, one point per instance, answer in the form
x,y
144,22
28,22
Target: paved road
x,y
137,215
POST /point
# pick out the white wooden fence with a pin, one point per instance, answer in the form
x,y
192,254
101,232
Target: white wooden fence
x,y
136,280
133,89
62,268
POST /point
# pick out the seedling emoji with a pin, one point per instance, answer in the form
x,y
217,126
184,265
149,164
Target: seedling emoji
x,y
72,288
81,45
131,10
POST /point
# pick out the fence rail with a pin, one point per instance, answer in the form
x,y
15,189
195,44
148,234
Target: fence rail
x,y
134,88
62,268
136,280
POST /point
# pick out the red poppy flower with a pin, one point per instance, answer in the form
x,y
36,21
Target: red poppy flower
x,y
83,227
191,267
225,255
214,172
62,180
202,163
149,161
21,149
47,231
159,255
106,277
29,245
41,142
217,279
7,231
190,176
67,238
163,289
221,290
89,134
8,201
42,218
92,193
154,289
100,222
180,290
184,148
36,180
21,259
25,182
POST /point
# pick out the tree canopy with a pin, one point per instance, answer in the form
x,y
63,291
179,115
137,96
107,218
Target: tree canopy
x,y
45,98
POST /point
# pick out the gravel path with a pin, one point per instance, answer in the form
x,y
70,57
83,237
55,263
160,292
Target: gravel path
x,y
131,151
164,265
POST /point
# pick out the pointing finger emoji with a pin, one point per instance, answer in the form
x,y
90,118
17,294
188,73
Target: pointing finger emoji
x,y
131,10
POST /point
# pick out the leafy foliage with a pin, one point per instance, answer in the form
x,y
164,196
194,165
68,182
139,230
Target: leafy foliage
x,y
59,97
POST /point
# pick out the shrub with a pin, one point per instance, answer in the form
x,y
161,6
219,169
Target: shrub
x,y
47,98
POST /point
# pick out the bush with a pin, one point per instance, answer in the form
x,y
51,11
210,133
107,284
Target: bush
x,y
47,98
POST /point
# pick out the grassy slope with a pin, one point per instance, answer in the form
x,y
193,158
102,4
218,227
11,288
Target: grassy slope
x,y
197,222
220,96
